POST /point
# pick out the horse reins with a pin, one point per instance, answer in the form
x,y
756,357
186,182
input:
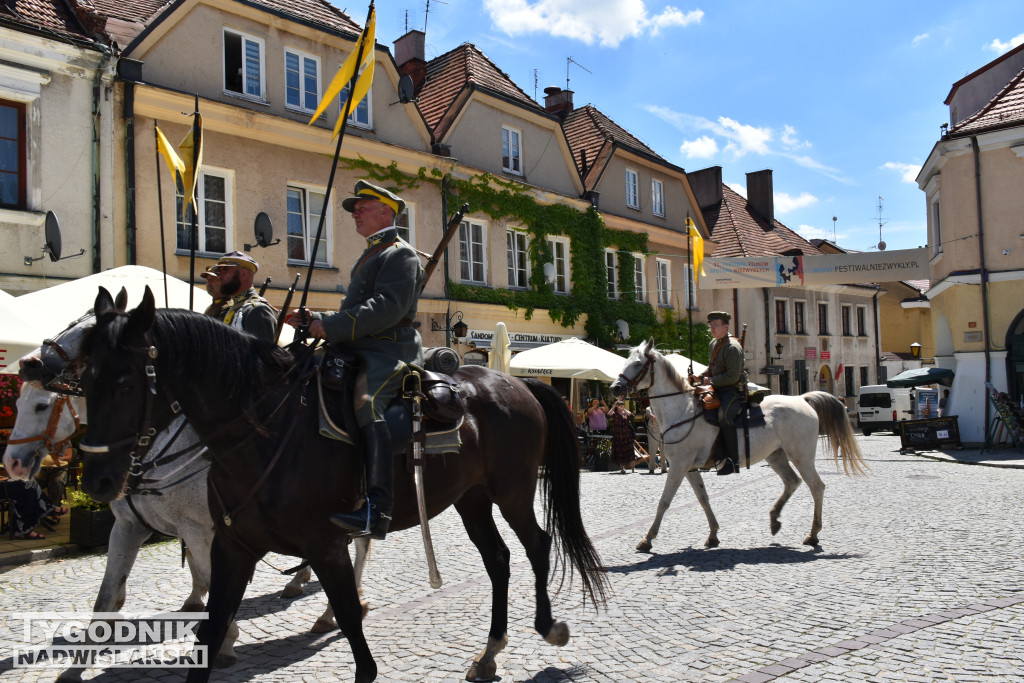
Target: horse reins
x,y
46,437
631,385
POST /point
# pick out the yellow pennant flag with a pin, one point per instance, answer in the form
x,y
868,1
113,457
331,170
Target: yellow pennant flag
x,y
190,174
174,162
349,70
698,249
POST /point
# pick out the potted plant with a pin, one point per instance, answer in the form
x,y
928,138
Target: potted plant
x,y
10,387
91,522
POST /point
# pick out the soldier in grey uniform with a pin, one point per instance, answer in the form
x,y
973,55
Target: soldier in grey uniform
x,y
725,373
235,301
375,322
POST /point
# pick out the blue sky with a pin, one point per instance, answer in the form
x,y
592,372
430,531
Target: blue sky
x,y
843,101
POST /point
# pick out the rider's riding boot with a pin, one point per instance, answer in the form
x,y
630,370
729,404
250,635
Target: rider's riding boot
x,y
731,464
373,518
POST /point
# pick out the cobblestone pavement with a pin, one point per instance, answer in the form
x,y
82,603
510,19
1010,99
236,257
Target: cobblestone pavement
x,y
918,578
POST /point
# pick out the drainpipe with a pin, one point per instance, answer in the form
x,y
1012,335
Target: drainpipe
x,y
984,270
878,342
129,164
97,91
767,336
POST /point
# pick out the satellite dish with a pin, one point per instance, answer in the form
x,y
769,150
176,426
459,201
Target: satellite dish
x,y
623,327
549,272
406,89
881,246
52,232
264,231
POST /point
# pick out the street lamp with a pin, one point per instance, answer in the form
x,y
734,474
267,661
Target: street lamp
x,y
915,350
778,352
458,330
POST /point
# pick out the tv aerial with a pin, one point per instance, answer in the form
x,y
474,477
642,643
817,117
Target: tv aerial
x,y
52,248
881,243
263,229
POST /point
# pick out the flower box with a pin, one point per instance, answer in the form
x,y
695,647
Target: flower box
x,y
91,528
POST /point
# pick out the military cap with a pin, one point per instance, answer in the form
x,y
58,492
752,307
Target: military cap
x,y
365,190
719,315
233,258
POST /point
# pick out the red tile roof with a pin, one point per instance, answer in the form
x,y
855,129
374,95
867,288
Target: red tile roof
x,y
588,130
137,11
49,18
742,232
1005,110
452,73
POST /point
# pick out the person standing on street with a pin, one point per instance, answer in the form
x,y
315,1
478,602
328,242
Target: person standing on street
x,y
375,322
726,374
235,301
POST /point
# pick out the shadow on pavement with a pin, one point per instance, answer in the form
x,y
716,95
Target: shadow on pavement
x,y
714,559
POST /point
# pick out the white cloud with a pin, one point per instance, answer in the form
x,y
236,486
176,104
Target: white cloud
x,y
920,39
908,172
784,203
741,190
607,22
809,232
739,139
701,148
999,47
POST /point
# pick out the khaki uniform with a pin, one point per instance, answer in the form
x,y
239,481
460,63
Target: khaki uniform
x,y
247,311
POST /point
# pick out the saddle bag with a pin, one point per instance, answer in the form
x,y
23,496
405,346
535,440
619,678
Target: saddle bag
x,y
707,397
337,369
442,400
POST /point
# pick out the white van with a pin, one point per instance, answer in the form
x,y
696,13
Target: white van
x,y
880,407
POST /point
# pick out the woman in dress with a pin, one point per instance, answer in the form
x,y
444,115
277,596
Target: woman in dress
x,y
620,422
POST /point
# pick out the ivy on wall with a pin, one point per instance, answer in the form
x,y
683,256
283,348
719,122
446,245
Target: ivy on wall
x,y
509,201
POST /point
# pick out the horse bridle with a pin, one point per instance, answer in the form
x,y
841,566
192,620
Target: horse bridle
x,y
55,447
631,385
68,380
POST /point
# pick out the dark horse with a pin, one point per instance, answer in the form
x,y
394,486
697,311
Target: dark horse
x,y
274,480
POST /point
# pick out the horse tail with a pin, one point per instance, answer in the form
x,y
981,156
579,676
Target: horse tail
x,y
562,495
834,424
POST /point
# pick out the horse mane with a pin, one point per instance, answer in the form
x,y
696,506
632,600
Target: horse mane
x,y
677,378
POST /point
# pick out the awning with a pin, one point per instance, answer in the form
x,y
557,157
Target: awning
x,y
573,358
920,377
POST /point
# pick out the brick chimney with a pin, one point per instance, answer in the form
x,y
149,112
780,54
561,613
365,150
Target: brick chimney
x,y
760,196
557,101
706,185
410,55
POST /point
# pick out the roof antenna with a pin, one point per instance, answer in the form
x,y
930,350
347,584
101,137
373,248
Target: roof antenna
x,y
881,244
534,84
426,15
569,61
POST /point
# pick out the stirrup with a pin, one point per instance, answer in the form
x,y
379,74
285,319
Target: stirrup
x,y
358,528
729,467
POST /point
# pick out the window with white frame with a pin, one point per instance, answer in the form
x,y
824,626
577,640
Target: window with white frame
x,y
472,254
657,197
640,275
844,316
511,150
13,145
862,321
301,80
215,220
689,287
518,245
664,282
405,222
632,189
304,206
560,258
244,65
936,219
782,316
611,264
362,114
798,317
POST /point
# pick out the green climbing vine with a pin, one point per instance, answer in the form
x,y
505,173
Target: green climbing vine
x,y
510,201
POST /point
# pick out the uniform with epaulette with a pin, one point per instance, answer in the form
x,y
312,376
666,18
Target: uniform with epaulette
x,y
726,374
246,310
375,322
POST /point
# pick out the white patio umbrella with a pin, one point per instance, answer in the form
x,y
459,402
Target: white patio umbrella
x,y
19,334
501,349
572,358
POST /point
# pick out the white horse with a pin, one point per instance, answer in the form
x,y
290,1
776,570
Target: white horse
x,y
181,510
789,435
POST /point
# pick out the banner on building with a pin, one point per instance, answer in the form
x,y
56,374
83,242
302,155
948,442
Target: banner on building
x,y
813,270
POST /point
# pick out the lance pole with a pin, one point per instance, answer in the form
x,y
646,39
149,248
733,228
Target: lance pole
x,y
160,209
193,241
692,295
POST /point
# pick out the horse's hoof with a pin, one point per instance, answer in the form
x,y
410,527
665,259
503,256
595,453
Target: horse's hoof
x,y
365,604
482,672
291,591
776,525
558,634
643,546
223,661
193,606
712,542
70,676
323,626
811,540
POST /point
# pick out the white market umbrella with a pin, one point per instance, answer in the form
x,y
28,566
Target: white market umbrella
x,y
501,350
19,334
572,358
682,364
59,305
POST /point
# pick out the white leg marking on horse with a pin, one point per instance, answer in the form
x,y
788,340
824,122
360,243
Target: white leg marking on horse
x,y
484,667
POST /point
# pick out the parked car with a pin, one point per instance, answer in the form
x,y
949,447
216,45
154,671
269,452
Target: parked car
x,y
879,408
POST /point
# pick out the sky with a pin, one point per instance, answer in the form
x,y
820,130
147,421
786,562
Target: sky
x,y
842,100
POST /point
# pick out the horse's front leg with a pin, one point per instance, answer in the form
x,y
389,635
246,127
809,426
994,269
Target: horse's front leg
x,y
230,569
338,579
125,540
672,482
293,588
697,484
